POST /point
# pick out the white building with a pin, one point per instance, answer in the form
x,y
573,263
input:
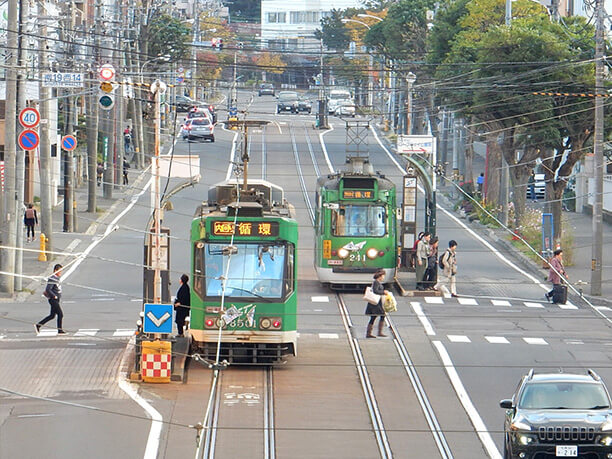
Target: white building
x,y
291,24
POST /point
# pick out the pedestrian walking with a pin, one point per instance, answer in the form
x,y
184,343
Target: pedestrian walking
x,y
99,173
30,218
556,275
53,293
480,183
376,310
422,253
182,304
531,184
447,282
127,139
126,166
431,274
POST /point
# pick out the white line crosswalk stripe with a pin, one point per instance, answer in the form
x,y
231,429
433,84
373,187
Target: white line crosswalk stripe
x,y
124,332
537,341
434,300
529,304
497,340
87,332
458,339
500,303
467,301
328,335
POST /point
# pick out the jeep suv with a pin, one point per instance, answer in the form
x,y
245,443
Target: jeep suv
x,y
558,415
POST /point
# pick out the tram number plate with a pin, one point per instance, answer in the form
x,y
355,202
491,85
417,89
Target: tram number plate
x,y
335,262
566,451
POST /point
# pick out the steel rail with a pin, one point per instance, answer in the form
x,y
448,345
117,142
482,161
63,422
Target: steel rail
x,y
208,428
269,439
364,378
419,390
312,155
263,154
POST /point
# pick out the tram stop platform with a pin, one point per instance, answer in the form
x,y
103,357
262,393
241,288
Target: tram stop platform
x,y
406,285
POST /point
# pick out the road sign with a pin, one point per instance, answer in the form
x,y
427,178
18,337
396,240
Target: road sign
x,y
29,117
157,318
62,80
29,140
69,142
106,72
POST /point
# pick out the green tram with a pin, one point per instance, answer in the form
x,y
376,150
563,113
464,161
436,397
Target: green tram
x,y
244,271
355,226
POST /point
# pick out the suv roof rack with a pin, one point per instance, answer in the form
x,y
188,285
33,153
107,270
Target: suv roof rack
x,y
593,375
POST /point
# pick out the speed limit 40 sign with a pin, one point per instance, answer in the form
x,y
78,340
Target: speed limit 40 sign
x,y
29,117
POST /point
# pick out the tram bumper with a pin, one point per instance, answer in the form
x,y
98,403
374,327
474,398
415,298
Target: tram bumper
x,y
351,275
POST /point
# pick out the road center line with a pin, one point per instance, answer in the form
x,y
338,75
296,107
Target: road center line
x,y
416,307
321,134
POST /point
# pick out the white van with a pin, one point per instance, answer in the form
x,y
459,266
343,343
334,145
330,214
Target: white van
x,y
336,96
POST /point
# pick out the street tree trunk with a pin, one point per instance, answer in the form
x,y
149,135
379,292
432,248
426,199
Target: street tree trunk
x,y
494,170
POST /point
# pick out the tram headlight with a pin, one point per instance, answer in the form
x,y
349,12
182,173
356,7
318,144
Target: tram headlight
x,y
265,323
343,253
372,253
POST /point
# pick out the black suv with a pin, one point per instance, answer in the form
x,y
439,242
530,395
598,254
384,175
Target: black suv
x,y
558,415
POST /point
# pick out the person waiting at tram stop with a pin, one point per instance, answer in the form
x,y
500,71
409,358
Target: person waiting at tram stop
x,y
431,273
422,253
377,310
182,304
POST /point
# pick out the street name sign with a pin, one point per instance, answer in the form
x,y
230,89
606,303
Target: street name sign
x,y
29,117
63,80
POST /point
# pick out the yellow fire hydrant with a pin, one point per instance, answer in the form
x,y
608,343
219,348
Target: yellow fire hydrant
x,y
42,256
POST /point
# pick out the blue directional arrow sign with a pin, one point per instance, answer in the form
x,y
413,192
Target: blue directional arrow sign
x,y
157,318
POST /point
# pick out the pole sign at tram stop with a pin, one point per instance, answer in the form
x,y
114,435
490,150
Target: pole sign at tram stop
x,y
408,217
547,236
157,318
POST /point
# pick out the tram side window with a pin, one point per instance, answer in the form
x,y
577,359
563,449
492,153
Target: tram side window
x,y
359,221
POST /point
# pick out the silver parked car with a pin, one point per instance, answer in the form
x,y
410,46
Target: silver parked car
x,y
198,128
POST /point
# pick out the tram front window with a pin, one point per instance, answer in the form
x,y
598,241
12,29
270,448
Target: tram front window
x,y
359,221
256,270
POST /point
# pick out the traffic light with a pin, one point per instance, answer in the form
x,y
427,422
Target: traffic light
x,y
220,43
106,99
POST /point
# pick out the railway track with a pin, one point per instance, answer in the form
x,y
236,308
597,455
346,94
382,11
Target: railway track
x,y
361,364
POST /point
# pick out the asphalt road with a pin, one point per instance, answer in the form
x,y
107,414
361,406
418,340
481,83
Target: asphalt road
x,y
466,353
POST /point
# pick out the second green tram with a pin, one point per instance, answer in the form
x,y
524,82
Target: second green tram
x,y
244,269
355,226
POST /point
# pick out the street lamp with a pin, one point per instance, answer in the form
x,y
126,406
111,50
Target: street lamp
x,y
164,58
363,15
344,21
371,63
410,79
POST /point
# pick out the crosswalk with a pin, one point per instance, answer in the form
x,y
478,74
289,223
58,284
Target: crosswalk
x,y
466,301
80,333
529,340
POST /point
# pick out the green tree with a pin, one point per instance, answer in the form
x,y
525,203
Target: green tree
x,y
333,32
168,36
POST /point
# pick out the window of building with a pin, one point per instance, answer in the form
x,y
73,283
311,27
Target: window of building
x,y
277,17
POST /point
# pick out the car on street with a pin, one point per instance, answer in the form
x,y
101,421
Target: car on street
x,y
558,415
345,108
184,103
266,89
288,101
304,105
199,112
336,97
198,128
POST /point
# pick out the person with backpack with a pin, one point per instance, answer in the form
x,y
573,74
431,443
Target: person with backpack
x,y
30,219
431,273
447,283
53,293
422,253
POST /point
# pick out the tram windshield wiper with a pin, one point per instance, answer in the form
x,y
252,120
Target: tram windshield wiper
x,y
269,300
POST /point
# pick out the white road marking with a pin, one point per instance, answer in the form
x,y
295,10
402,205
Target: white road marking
x,y
329,164
530,304
458,339
467,301
497,340
434,299
87,332
103,299
47,332
137,300
36,415
328,335
537,341
416,307
567,305
232,151
477,422
73,245
603,308
124,332
319,299
574,341
500,303
318,310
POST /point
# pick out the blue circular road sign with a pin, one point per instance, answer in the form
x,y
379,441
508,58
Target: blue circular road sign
x,y
69,142
29,140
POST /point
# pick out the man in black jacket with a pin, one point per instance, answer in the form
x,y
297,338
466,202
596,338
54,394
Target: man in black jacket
x,y
53,292
182,304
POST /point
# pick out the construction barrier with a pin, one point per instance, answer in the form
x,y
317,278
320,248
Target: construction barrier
x,y
156,366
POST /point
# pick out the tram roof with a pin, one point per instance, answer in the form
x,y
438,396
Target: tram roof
x,y
332,181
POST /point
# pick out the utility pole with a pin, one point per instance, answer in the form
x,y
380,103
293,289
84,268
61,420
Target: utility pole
x,y
598,160
20,154
7,260
322,104
119,104
157,88
194,54
92,121
46,193
68,130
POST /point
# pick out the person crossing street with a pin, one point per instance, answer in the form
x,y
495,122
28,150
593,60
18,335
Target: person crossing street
x,y
447,282
53,293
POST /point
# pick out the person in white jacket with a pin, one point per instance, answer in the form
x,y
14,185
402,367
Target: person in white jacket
x,y
448,264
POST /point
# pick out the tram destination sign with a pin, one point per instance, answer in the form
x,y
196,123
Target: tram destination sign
x,y
62,80
357,194
250,228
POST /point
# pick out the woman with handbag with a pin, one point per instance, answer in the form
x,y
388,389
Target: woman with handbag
x,y
376,310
